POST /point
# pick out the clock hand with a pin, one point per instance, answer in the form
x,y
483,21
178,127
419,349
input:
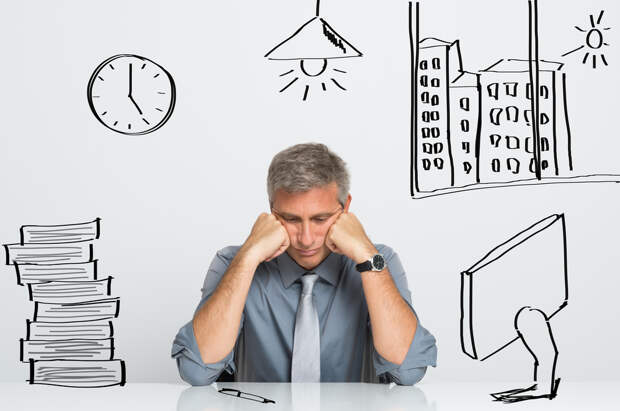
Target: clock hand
x,y
130,89
135,104
130,70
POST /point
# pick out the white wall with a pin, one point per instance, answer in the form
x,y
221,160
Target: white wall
x,y
168,200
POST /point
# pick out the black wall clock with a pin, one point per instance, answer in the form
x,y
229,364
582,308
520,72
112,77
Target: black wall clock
x,y
131,94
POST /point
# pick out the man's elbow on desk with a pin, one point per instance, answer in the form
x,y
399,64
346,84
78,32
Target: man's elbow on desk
x,y
411,377
193,373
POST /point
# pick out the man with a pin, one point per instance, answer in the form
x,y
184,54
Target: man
x,y
308,297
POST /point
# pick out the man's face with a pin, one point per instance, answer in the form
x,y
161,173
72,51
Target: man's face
x,y
307,218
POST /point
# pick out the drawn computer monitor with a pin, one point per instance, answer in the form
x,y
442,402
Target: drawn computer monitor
x,y
530,269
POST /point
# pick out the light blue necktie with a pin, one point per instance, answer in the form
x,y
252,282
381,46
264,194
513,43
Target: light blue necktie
x,y
306,364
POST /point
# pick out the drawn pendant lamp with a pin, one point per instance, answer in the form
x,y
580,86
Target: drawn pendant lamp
x,y
312,45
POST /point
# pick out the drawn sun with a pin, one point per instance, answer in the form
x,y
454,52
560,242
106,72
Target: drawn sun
x,y
594,41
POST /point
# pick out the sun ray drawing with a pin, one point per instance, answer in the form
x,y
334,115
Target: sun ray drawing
x,y
594,42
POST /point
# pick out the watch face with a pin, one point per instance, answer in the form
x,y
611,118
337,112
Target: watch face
x,y
131,94
378,262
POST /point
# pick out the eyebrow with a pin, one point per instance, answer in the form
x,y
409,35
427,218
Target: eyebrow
x,y
288,215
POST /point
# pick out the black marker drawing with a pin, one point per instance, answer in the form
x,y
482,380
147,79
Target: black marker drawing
x,y
70,339
80,374
313,44
69,291
77,252
85,310
510,295
487,129
69,233
593,43
131,94
42,330
34,273
72,349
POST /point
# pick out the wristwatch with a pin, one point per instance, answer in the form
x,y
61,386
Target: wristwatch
x,y
376,263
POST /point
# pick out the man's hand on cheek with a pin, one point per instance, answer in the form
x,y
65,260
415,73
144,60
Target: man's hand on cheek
x,y
347,236
268,238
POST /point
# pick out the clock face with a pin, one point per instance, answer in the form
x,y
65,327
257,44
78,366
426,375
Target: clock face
x,y
378,262
131,94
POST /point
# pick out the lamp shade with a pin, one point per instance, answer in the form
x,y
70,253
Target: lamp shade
x,y
313,40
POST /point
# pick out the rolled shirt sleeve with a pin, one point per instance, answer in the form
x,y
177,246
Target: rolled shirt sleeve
x,y
185,348
422,350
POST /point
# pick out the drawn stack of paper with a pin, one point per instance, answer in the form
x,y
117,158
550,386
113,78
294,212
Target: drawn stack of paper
x,y
70,339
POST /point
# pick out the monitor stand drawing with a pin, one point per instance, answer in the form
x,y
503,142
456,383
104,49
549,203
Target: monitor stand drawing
x,y
510,295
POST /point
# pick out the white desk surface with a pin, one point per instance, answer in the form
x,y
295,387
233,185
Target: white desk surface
x,y
300,397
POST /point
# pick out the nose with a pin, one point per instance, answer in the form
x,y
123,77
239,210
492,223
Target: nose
x,y
305,236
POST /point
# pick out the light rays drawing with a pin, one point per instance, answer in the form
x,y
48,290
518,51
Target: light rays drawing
x,y
594,41
312,45
302,72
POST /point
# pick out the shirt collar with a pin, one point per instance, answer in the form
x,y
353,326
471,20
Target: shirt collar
x,y
329,269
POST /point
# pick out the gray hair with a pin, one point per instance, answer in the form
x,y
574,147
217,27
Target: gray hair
x,y
305,166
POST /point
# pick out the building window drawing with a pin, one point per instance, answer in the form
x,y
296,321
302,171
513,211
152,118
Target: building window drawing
x,y
521,138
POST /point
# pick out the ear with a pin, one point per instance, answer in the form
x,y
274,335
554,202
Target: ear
x,y
347,204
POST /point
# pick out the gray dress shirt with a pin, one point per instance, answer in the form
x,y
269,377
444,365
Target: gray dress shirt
x,y
264,345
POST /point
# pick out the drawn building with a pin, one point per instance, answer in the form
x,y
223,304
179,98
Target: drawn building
x,y
464,120
512,146
472,131
439,62
478,127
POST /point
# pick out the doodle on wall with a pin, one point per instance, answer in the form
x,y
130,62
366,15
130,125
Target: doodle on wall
x,y
510,295
487,129
594,41
69,341
131,95
313,44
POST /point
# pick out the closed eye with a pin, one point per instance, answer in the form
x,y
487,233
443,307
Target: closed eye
x,y
320,219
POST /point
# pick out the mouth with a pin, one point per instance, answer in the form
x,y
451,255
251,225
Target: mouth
x,y
307,253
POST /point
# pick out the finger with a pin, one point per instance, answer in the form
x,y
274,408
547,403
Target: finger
x,y
329,242
329,237
283,247
274,255
280,251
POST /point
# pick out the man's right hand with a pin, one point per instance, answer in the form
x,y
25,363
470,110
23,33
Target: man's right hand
x,y
267,240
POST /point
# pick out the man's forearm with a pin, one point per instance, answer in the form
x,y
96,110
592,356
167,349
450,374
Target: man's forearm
x,y
393,322
216,324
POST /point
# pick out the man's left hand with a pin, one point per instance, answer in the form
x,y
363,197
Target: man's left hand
x,y
347,236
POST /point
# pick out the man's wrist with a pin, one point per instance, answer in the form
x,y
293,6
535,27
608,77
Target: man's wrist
x,y
247,259
365,254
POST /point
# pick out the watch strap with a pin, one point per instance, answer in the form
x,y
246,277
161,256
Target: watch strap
x,y
365,266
